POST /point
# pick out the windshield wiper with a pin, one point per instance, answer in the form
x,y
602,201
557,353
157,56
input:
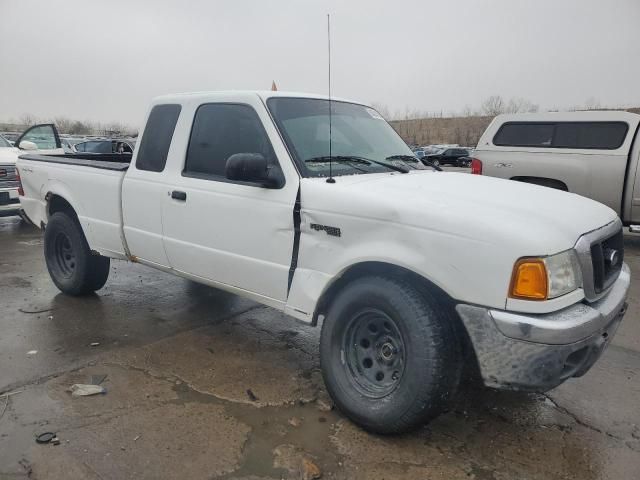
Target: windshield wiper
x,y
340,159
351,159
414,159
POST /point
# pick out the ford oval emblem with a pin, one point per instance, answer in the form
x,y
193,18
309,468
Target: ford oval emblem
x,y
612,256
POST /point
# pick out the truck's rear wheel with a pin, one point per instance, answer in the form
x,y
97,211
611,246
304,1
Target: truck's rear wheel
x,y
72,266
390,358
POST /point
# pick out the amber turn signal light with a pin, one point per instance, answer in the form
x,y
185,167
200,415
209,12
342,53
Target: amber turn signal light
x,y
529,280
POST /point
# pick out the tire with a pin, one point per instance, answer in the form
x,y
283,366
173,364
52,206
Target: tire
x,y
72,266
436,163
390,357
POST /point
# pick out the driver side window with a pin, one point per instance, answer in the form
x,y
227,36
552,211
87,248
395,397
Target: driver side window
x,y
219,131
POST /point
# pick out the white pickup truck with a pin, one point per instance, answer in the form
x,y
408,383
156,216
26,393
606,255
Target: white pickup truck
x,y
415,274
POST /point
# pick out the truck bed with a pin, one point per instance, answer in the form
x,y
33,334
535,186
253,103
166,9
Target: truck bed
x,y
106,161
91,182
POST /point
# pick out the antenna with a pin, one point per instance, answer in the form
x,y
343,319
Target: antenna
x,y
330,179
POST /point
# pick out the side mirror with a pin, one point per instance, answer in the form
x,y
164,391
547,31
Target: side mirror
x,y
27,145
253,167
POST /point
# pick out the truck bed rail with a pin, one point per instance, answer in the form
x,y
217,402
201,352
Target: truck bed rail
x,y
105,161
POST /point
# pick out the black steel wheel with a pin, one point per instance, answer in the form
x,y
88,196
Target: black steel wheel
x,y
389,354
72,266
375,353
64,254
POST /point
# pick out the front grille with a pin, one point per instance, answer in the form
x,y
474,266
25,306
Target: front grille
x,y
601,255
8,176
606,258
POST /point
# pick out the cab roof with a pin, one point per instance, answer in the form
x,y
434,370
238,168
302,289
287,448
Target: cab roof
x,y
263,94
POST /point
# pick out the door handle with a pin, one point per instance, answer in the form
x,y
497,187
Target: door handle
x,y
178,195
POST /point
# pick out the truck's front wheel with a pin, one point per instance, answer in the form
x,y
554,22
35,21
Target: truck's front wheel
x,y
390,358
72,266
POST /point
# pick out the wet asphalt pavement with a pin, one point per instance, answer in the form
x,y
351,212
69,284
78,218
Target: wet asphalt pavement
x,y
204,384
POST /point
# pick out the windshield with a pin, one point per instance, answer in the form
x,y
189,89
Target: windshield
x,y
4,143
357,132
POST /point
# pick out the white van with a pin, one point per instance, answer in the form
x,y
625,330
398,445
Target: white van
x,y
594,154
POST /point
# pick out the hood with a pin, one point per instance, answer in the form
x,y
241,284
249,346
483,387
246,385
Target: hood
x,y
9,155
538,220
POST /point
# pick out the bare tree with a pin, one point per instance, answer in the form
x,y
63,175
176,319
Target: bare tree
x,y
80,128
382,110
468,111
27,119
592,103
492,106
63,124
520,105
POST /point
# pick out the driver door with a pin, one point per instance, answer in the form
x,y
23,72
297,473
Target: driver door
x,y
42,138
235,234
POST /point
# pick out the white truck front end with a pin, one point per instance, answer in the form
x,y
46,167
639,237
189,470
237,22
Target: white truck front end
x,y
528,351
536,276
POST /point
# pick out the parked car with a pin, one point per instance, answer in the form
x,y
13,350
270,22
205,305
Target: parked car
x,y
414,274
11,137
464,162
104,146
448,156
9,198
428,149
594,154
69,143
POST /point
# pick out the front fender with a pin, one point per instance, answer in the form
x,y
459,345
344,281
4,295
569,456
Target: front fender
x,y
460,266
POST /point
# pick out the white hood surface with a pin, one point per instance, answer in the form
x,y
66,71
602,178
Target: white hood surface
x,y
9,155
485,209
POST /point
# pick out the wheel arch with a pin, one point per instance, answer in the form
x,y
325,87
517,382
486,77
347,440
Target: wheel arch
x,y
445,302
542,181
56,201
369,268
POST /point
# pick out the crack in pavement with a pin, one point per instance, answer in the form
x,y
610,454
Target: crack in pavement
x,y
44,378
581,422
171,378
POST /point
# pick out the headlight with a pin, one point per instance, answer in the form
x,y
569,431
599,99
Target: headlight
x,y
546,277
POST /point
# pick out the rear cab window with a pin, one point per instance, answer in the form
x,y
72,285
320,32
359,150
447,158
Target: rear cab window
x,y
577,135
157,136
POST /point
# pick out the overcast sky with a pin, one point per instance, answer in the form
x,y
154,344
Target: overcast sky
x,y
104,60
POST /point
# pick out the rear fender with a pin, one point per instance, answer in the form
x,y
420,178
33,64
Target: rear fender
x,y
57,188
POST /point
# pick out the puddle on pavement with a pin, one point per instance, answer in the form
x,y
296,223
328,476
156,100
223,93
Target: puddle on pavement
x,y
270,428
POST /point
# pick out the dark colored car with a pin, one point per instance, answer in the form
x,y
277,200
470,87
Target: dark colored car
x,y
104,146
458,157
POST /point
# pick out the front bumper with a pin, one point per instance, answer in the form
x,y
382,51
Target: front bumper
x,y
12,207
538,352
